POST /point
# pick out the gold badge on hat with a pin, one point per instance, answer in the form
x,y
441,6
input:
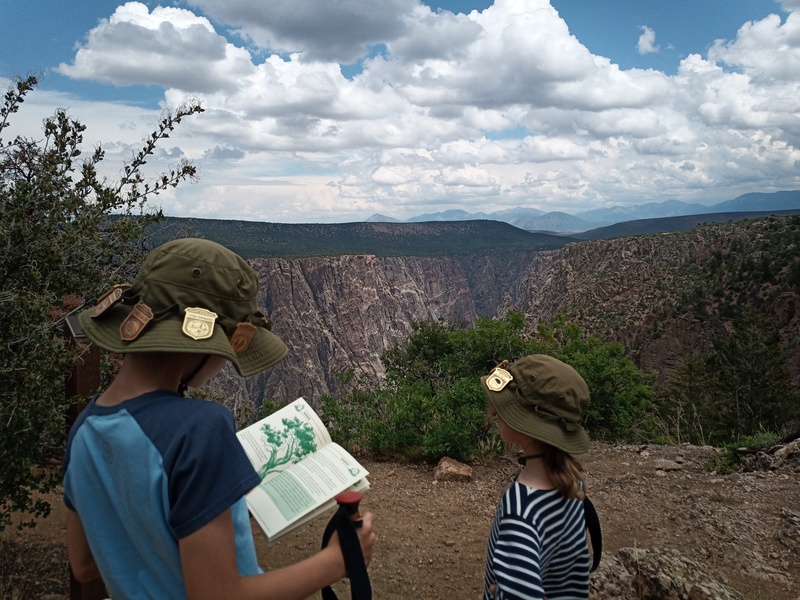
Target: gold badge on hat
x,y
109,299
133,325
498,379
198,323
241,336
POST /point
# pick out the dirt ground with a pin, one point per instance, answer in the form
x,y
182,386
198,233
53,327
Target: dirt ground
x,y
744,528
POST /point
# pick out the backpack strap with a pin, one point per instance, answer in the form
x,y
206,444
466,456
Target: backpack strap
x,y
595,534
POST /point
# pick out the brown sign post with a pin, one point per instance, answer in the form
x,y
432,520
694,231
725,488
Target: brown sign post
x,y
82,382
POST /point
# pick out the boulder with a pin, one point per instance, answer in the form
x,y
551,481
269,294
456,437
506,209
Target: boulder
x,y
655,573
450,469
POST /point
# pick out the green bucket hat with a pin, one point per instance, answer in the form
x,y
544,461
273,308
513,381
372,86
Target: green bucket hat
x,y
190,295
542,397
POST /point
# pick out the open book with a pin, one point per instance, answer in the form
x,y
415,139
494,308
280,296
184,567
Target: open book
x,y
301,469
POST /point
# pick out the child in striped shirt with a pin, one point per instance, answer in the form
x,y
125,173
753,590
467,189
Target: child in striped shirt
x,y
537,546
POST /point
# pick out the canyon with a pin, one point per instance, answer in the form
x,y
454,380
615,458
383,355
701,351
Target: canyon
x,y
342,312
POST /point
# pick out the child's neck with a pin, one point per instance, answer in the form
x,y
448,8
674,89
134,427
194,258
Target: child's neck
x,y
140,374
534,473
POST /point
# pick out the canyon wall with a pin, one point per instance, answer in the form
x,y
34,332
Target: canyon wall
x,y
336,313
342,312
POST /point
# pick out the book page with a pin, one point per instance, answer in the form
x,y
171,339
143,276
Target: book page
x,y
287,497
328,507
282,439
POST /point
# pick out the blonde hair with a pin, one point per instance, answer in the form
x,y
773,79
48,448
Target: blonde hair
x,y
564,471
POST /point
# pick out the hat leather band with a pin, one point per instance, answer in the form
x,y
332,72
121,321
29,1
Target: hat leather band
x,y
239,333
140,316
258,319
565,424
158,315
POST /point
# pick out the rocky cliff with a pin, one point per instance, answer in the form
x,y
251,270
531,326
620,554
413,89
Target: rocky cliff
x,y
343,312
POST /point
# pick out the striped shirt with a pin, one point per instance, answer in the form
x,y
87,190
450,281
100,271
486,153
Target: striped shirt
x,y
537,547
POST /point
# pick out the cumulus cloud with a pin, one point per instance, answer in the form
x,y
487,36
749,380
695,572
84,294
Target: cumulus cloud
x,y
647,41
496,108
169,47
326,31
223,153
766,50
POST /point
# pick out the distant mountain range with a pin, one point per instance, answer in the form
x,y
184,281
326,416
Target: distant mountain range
x,y
532,219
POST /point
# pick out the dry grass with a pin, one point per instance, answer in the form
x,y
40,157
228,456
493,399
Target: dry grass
x,y
32,570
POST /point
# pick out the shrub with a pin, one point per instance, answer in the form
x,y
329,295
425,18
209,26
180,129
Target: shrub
x,y
63,231
431,403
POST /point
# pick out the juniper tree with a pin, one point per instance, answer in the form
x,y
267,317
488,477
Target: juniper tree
x,y
65,234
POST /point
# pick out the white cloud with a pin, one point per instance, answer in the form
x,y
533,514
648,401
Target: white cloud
x,y
491,109
647,41
766,50
169,47
325,31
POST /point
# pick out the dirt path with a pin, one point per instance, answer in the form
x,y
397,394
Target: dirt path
x,y
741,527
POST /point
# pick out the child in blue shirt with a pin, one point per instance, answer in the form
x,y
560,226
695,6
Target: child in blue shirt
x,y
154,482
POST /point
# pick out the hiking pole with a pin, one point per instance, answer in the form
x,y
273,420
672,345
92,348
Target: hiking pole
x,y
349,501
345,522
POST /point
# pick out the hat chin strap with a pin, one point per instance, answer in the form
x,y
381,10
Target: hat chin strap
x,y
182,386
523,459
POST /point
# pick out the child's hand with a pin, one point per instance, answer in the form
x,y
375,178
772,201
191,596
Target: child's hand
x,y
366,536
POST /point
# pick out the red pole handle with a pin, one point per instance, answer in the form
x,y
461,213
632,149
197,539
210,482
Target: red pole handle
x,y
350,502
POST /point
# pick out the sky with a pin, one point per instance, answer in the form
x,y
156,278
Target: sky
x,y
321,112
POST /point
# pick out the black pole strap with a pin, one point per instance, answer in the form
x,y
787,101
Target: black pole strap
x,y
595,534
345,527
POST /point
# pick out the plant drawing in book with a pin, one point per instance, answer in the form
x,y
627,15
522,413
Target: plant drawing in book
x,y
286,445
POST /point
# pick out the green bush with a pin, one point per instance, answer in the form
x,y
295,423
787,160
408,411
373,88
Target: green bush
x,y
64,231
737,390
621,406
431,403
457,418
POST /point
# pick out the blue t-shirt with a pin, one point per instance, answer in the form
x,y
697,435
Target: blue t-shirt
x,y
537,547
147,472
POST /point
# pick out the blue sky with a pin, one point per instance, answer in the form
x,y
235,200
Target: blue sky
x,y
332,112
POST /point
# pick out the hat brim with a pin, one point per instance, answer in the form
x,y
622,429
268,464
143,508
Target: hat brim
x,y
165,335
513,412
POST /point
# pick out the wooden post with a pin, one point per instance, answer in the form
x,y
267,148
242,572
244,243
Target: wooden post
x,y
83,381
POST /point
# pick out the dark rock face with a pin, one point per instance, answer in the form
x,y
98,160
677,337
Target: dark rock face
x,y
341,312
